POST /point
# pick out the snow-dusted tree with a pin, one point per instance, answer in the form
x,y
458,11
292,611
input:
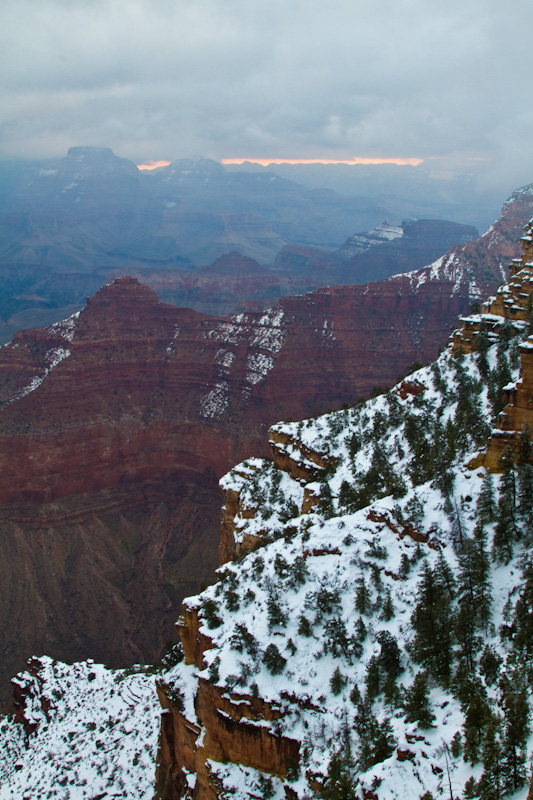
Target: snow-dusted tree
x,y
486,504
274,661
432,643
416,703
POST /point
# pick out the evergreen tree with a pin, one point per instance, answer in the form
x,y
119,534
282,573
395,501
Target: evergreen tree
x,y
390,656
458,527
486,504
477,715
482,346
373,678
489,665
362,597
304,626
465,633
506,529
516,730
337,682
490,785
525,499
416,703
274,661
340,784
387,612
432,644
480,565
522,624
474,598
376,740
335,638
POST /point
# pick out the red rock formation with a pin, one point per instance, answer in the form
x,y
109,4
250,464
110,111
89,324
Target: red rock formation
x,y
116,426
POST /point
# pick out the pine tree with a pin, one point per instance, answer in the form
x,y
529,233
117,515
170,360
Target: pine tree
x,y
465,633
337,682
387,612
274,661
458,527
522,625
416,703
340,785
390,656
336,638
432,644
481,571
362,597
516,730
490,785
506,529
525,499
477,715
474,598
373,678
482,346
489,665
486,504
376,740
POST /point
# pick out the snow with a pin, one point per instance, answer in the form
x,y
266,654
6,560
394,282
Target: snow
x,y
339,551
258,365
52,358
99,737
65,328
214,403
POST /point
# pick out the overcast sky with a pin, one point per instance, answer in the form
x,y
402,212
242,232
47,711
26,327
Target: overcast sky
x,y
163,79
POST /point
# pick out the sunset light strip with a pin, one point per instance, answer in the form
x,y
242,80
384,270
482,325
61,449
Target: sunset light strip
x,y
414,162
153,164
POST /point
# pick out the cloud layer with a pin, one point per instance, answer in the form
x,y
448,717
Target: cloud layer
x,y
297,79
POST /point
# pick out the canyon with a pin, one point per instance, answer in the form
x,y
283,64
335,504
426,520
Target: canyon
x,y
117,423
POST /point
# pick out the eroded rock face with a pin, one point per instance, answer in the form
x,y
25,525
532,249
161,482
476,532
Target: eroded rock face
x,y
116,425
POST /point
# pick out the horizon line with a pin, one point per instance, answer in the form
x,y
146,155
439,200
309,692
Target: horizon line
x,y
265,162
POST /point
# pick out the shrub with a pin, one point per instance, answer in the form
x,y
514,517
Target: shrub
x,y
274,661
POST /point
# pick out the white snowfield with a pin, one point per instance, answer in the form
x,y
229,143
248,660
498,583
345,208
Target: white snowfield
x,y
98,738
312,567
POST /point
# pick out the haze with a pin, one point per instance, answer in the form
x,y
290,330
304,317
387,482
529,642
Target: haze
x,y
376,79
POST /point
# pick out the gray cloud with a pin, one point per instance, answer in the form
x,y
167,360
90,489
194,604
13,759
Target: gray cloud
x,y
268,78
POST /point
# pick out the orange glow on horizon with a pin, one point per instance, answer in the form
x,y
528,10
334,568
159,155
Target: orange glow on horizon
x,y
413,162
153,164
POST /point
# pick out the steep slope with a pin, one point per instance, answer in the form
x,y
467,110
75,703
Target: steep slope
x,y
80,731
478,267
372,256
372,639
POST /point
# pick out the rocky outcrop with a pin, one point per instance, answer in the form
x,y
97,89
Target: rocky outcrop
x,y
510,305
292,456
223,727
517,415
